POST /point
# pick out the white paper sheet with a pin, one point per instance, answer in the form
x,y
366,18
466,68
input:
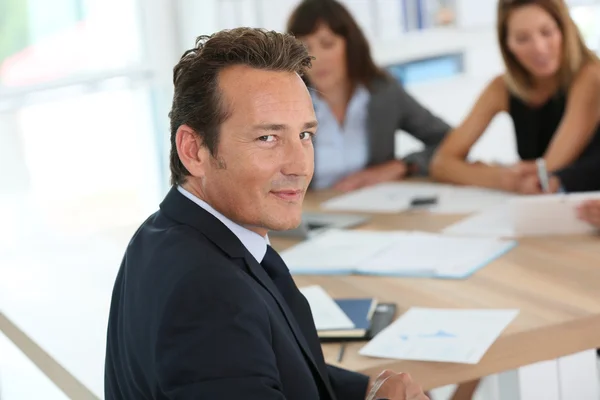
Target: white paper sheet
x,y
465,200
393,253
396,197
457,336
384,198
335,251
550,214
326,313
541,215
494,222
435,255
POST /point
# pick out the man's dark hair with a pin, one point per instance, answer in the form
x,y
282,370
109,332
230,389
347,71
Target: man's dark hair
x,y
310,14
197,100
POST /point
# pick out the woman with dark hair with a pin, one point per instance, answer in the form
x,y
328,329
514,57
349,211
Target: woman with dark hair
x,y
358,105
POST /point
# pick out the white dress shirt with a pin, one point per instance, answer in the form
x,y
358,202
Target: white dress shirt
x,y
341,150
255,243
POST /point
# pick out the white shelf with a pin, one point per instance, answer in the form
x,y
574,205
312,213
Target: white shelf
x,y
429,43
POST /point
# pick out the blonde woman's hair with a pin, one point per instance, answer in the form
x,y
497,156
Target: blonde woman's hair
x,y
575,53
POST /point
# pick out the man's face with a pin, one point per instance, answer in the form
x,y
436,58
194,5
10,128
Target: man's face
x,y
264,160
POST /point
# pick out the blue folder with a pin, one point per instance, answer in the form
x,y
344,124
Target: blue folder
x,y
417,273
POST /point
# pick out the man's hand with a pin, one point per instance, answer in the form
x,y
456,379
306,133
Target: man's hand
x,y
392,386
589,211
389,171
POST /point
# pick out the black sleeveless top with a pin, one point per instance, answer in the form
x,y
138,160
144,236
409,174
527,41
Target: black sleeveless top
x,y
535,126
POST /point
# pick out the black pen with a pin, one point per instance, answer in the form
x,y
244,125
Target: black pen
x,y
341,354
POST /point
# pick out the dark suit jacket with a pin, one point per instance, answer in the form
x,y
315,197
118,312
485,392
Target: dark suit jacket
x,y
195,316
391,108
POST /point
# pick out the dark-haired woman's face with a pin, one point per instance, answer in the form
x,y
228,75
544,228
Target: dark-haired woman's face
x,y
329,69
535,39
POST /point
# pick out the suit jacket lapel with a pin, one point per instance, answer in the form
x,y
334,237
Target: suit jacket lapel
x,y
181,209
261,276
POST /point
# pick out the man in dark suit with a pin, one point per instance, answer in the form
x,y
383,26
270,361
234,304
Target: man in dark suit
x,y
203,307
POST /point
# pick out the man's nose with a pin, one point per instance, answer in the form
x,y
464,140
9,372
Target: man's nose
x,y
298,158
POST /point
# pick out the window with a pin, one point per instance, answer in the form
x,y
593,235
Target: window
x,y
78,131
43,41
586,16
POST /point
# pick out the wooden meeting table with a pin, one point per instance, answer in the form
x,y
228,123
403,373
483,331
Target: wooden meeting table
x,y
554,282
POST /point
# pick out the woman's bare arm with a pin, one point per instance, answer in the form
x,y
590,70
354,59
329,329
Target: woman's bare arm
x,y
580,120
449,163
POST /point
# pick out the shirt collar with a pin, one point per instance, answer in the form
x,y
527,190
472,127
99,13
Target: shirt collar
x,y
360,94
256,244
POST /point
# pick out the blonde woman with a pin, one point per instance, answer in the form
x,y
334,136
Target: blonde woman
x,y
551,90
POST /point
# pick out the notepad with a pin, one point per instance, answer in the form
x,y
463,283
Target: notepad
x,y
441,335
552,214
394,197
360,312
327,314
393,253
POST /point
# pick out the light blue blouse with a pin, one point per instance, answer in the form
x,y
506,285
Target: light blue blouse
x,y
340,150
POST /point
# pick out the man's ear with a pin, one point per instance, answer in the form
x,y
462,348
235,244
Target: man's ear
x,y
192,153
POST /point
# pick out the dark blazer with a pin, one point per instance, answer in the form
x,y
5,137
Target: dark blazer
x,y
195,316
391,108
583,175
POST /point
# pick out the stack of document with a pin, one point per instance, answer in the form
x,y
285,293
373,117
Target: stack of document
x,y
360,311
393,197
442,335
393,253
327,314
347,319
552,214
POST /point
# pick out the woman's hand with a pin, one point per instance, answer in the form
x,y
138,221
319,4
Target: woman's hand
x,y
508,179
389,171
589,211
523,178
531,184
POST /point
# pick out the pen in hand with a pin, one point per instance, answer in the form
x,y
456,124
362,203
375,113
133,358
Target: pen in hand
x,y
543,174
341,353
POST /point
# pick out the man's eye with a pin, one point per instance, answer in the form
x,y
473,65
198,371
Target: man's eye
x,y
306,135
266,138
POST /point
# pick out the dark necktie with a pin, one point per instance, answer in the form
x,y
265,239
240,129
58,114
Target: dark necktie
x,y
280,275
